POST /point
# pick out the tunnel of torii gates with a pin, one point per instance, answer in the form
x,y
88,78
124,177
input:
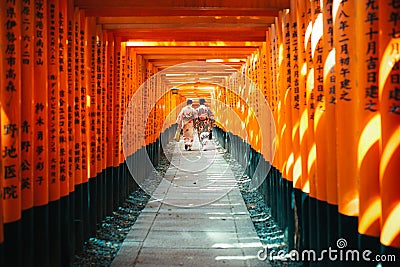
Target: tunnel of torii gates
x,y
329,71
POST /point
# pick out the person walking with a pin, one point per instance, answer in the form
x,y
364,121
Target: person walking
x,y
204,123
186,120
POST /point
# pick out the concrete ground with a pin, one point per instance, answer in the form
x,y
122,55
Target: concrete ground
x,y
197,217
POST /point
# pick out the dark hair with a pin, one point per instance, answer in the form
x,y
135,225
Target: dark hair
x,y
189,101
202,101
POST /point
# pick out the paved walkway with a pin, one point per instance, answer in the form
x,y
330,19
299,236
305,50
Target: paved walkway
x,y
197,217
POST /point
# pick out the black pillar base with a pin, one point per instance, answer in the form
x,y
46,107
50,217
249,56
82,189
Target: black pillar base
x,y
41,231
13,244
28,237
55,233
66,232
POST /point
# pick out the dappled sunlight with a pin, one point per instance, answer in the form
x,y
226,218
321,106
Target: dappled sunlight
x,y
237,245
368,138
312,156
370,216
391,227
390,149
220,258
297,173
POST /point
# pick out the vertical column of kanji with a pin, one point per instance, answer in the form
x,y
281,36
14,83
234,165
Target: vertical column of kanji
x,y
122,98
128,119
273,90
70,167
66,248
140,130
295,101
109,73
11,108
135,85
53,119
98,110
84,109
103,117
295,130
256,92
309,124
53,99
145,102
330,118
370,123
286,96
389,99
91,136
267,94
27,124
320,123
117,117
63,98
303,124
84,82
311,147
303,112
282,182
77,138
287,29
280,94
91,39
319,100
10,98
41,188
346,114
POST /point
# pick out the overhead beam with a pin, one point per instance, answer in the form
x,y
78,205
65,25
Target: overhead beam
x,y
185,20
195,35
101,11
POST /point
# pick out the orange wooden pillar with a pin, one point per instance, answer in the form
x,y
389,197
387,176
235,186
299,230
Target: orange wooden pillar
x,y
84,158
98,81
302,24
330,118
41,166
122,92
287,104
389,101
70,49
319,150
117,119
10,99
53,134
78,137
295,117
27,137
370,125
102,78
66,218
92,135
110,121
347,121
295,95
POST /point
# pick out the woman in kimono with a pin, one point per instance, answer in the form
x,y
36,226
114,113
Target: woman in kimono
x,y
185,121
204,124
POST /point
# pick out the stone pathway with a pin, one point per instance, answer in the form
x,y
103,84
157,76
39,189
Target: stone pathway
x,y
197,217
